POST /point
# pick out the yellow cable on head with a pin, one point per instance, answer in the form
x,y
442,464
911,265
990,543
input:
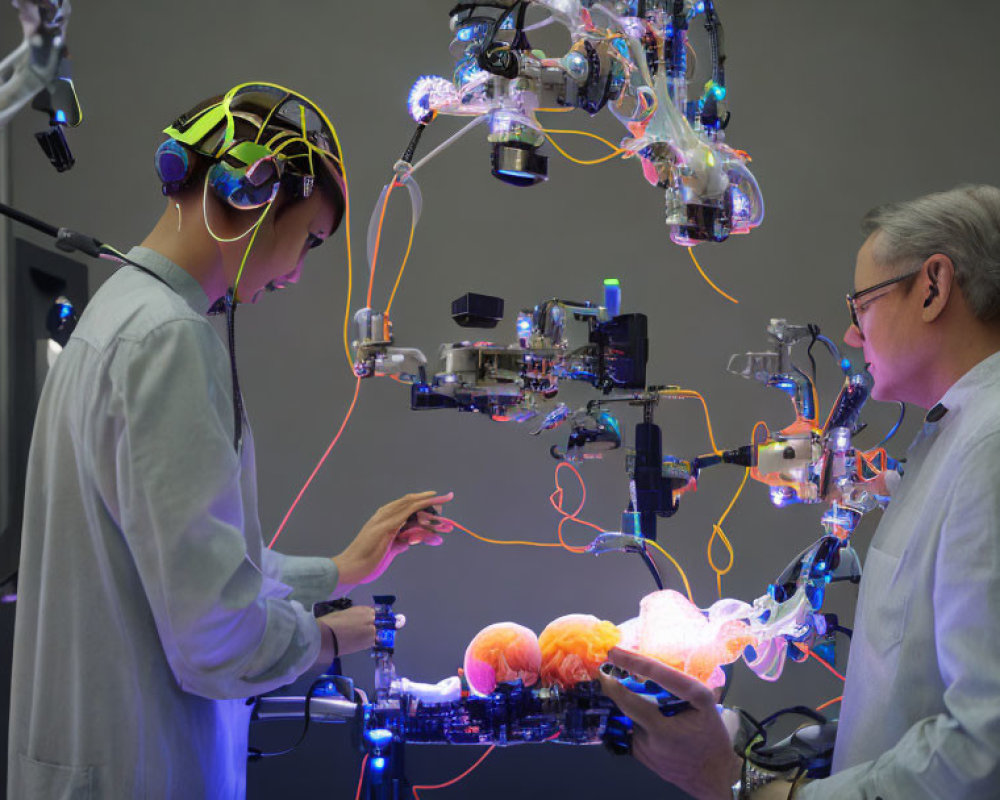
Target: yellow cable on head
x,y
204,212
246,252
707,279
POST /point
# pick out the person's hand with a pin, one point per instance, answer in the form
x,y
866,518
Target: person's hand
x,y
691,749
354,628
392,530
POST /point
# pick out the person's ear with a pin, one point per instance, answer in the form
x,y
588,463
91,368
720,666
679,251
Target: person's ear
x,y
936,282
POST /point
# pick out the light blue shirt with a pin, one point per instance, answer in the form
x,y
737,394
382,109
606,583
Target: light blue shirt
x,y
921,711
148,608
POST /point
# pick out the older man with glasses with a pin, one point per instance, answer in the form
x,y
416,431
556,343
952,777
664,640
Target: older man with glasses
x,y
920,716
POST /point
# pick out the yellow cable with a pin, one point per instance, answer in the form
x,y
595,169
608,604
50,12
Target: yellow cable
x,y
709,280
309,150
687,586
246,252
615,150
717,531
399,277
601,139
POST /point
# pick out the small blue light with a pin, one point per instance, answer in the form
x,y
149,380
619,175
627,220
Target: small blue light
x,y
820,566
741,204
60,117
700,7
515,173
464,34
786,386
65,311
379,736
378,764
719,92
845,364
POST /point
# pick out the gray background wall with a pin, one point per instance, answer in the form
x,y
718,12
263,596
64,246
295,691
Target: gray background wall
x,y
842,106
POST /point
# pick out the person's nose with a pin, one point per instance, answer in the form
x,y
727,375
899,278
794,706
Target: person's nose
x,y
852,336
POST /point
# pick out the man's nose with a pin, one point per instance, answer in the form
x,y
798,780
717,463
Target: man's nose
x,y
852,336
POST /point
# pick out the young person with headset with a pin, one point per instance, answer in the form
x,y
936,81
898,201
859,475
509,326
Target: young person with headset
x,y
148,608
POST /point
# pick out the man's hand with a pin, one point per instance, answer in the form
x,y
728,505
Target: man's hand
x,y
392,530
354,628
692,749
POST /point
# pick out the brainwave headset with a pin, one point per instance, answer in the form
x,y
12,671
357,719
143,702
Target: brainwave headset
x,y
291,143
289,135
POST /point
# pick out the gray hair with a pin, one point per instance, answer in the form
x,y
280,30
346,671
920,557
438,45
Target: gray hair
x,y
963,224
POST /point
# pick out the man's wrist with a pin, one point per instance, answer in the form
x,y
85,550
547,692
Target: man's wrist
x,y
327,647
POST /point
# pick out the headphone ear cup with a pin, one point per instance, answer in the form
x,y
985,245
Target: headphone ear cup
x,y
244,187
174,166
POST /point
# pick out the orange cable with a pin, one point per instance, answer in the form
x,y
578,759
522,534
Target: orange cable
x,y
361,777
378,240
497,541
829,703
557,505
455,780
692,394
808,651
302,491
399,277
708,280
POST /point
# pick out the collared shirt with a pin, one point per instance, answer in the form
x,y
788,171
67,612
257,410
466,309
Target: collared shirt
x,y
921,711
148,608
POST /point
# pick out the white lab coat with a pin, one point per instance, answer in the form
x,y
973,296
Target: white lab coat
x,y
148,608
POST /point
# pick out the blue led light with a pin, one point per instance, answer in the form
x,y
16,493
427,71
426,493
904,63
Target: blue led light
x,y
719,92
379,736
60,117
786,386
378,764
464,34
700,7
741,203
515,173
845,364
65,311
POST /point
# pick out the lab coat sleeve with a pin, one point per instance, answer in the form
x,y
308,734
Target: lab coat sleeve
x,y
954,754
227,629
311,579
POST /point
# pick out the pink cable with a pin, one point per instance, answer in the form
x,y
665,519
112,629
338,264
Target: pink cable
x,y
302,491
361,777
479,761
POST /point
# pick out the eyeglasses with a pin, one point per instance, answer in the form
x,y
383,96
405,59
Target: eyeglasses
x,y
853,297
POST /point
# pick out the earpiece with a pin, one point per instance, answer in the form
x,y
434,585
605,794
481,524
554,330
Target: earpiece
x,y
174,166
931,295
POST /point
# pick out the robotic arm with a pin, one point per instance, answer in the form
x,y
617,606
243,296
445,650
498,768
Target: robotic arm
x,y
628,56
39,68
